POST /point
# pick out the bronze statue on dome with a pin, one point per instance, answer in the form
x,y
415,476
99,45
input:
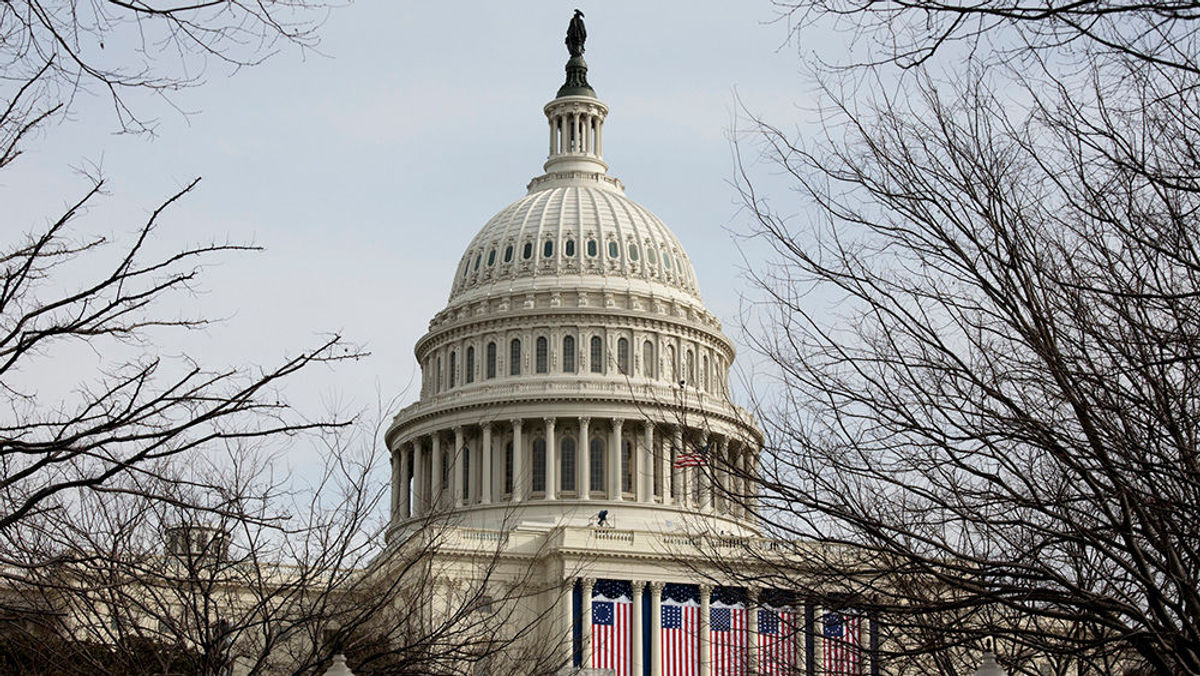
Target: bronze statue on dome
x,y
576,34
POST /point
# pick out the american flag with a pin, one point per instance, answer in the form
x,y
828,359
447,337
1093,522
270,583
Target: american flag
x,y
612,607
680,632
727,639
843,644
696,458
777,642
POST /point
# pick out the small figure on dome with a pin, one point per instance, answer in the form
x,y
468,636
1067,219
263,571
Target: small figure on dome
x,y
576,34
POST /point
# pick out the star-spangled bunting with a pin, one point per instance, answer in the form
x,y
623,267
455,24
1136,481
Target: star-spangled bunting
x,y
612,610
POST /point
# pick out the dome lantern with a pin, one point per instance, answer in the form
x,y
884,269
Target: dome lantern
x,y
576,116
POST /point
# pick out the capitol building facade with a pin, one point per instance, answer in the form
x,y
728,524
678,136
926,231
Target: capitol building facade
x,y
574,436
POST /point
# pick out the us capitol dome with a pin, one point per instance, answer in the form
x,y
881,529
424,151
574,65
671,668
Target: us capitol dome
x,y
574,435
574,364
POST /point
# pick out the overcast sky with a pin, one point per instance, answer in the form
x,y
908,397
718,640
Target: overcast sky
x,y
366,170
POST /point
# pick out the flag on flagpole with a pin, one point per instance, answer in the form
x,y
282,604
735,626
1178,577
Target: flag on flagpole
x,y
727,631
843,644
612,612
777,642
680,630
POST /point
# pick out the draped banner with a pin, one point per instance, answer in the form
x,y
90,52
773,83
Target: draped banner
x,y
680,627
777,635
728,632
843,644
612,613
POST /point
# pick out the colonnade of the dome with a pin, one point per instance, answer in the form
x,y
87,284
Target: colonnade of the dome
x,y
581,458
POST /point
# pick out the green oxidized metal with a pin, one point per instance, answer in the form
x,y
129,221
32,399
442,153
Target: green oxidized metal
x,y
576,84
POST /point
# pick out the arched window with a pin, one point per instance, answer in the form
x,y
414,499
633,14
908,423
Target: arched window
x,y
542,352
508,252
453,368
614,251
508,467
596,464
569,248
478,259
627,467
568,354
567,453
648,359
491,258
527,252
539,465
633,252
666,261
469,376
623,356
691,369
597,355
439,374
514,357
591,248
547,249
491,360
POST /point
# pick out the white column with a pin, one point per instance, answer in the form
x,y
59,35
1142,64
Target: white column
x,y
664,468
656,589
737,489
636,627
705,476
644,472
705,630
519,479
551,461
435,472
583,460
586,621
567,618
456,463
752,624
614,461
681,473
394,513
551,121
599,135
485,464
723,476
419,476
406,461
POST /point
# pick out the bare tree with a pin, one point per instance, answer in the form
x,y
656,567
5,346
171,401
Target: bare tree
x,y
984,327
